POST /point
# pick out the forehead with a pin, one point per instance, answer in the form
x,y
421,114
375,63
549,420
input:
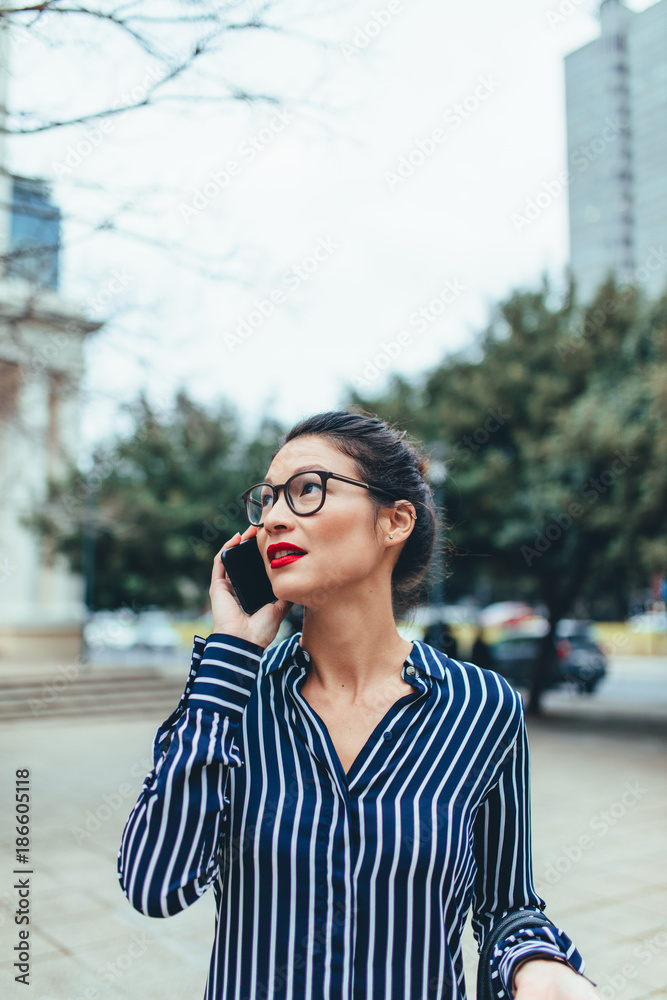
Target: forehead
x,y
309,452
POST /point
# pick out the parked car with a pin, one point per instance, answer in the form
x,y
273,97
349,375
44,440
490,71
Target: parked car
x,y
123,631
580,659
576,658
155,631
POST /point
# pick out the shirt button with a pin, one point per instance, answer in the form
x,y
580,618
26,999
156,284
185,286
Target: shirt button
x,y
410,670
389,735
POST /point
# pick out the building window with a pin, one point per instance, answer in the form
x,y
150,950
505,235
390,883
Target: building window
x,y
34,247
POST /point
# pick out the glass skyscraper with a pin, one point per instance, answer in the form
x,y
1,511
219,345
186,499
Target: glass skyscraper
x,y
616,103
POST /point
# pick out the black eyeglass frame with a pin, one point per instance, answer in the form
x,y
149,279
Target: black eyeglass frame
x,y
324,477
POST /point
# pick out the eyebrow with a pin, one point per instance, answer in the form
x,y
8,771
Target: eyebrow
x,y
302,468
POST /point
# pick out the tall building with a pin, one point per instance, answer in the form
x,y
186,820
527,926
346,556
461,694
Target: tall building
x,y
41,367
616,105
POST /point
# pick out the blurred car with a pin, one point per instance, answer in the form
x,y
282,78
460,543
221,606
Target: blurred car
x,y
154,630
581,661
110,630
649,621
123,631
576,658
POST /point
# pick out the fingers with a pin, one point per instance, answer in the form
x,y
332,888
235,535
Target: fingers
x,y
218,572
237,539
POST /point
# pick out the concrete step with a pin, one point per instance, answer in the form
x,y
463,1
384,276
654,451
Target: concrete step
x,y
94,692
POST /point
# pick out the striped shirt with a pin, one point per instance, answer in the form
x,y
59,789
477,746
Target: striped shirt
x,y
333,885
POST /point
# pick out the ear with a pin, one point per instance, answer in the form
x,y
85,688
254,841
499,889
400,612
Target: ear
x,y
396,523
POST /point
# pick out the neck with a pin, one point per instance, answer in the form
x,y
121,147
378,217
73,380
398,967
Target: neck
x,y
353,642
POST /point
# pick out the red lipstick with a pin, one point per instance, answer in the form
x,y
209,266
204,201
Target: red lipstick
x,y
282,554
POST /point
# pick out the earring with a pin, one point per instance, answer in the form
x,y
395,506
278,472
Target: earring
x,y
391,536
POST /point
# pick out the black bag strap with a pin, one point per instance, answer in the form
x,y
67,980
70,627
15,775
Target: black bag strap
x,y
513,921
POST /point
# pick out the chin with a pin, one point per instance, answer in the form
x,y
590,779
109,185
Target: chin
x,y
286,591
308,596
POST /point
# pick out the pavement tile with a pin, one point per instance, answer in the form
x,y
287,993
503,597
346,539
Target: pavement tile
x,y
655,972
73,902
77,935
42,943
59,978
631,989
7,984
656,902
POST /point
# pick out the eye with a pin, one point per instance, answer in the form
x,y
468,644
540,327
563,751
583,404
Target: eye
x,y
266,498
312,487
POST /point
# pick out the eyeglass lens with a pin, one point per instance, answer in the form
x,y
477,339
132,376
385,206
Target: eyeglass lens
x,y
305,496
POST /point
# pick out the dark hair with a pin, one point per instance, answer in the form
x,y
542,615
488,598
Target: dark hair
x,y
395,468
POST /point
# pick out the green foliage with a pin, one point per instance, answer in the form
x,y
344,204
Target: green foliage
x,y
556,443
158,504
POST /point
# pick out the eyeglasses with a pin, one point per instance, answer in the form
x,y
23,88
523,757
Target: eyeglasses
x,y
305,494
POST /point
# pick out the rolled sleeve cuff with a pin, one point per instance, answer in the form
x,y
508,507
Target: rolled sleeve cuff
x,y
535,943
224,669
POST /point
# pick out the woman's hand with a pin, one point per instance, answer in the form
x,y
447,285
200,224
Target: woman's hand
x,y
540,979
229,618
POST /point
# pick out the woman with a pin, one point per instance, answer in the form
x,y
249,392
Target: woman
x,y
347,793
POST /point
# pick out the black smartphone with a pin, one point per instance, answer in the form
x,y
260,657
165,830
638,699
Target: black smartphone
x,y
245,568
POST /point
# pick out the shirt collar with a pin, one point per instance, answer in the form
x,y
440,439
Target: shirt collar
x,y
425,658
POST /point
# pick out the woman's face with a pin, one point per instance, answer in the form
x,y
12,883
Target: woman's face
x,y
343,546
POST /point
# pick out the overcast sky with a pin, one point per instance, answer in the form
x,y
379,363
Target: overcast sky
x,y
368,231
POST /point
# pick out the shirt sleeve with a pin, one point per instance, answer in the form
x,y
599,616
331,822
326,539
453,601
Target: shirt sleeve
x,y
504,875
169,849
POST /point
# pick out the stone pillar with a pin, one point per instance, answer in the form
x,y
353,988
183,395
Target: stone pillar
x,y
41,366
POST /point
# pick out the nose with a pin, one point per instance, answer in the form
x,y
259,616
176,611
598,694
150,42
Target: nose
x,y
280,516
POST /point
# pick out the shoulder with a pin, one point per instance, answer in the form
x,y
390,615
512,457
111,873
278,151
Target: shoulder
x,y
467,680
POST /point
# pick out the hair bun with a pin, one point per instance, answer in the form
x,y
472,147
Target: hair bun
x,y
423,464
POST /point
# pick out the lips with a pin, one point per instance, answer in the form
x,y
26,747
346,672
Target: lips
x,y
283,554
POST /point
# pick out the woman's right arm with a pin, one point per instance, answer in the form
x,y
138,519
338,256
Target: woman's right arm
x,y
169,849
168,853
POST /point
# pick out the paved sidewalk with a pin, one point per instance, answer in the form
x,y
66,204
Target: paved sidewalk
x,y
599,836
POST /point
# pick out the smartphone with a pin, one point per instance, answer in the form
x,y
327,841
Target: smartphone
x,y
245,568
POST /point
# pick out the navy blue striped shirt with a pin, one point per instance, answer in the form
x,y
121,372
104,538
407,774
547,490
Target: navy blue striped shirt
x,y
332,885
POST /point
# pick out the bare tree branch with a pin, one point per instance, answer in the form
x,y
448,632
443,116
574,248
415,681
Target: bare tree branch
x,y
154,35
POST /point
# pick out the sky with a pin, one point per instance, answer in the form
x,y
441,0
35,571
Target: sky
x,y
364,226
